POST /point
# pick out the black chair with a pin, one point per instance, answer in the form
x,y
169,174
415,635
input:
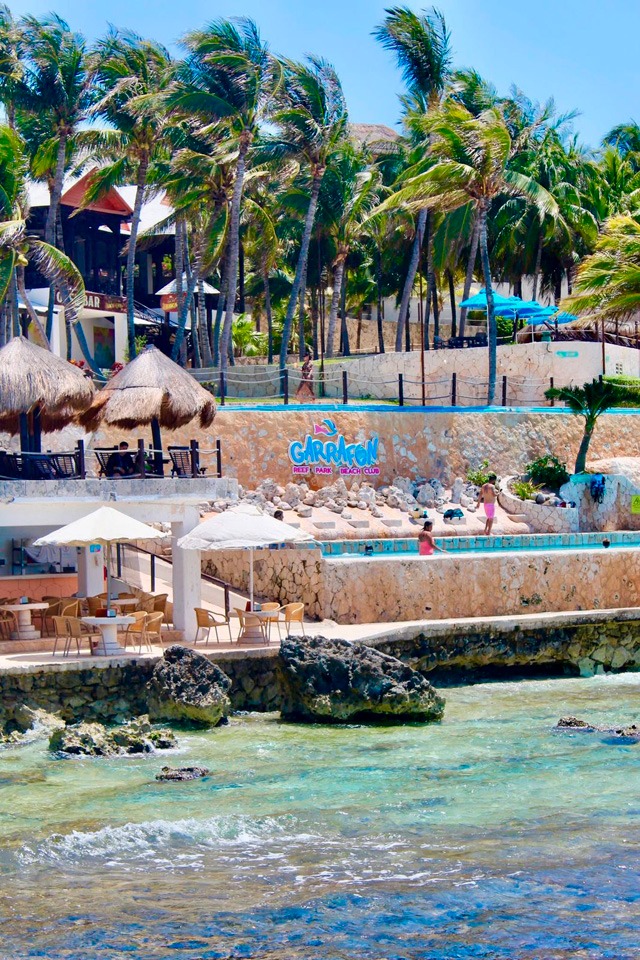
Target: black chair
x,y
39,466
455,343
65,466
102,456
181,462
10,466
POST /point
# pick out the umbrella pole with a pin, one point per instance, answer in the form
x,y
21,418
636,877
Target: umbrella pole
x,y
251,578
108,558
156,439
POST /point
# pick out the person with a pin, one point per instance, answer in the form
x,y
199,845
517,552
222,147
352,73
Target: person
x,y
305,387
121,462
426,543
278,515
488,496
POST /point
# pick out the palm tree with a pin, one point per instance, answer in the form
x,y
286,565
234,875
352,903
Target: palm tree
x,y
132,75
312,122
229,79
12,52
470,165
421,44
18,248
590,402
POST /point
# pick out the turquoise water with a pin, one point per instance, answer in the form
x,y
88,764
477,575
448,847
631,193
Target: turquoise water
x,y
487,836
508,543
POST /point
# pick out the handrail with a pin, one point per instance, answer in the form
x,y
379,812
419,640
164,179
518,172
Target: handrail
x,y
227,587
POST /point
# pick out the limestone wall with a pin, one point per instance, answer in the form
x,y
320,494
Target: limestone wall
x,y
541,517
614,513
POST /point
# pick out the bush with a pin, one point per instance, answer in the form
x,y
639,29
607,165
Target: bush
x,y
524,489
627,390
480,475
548,472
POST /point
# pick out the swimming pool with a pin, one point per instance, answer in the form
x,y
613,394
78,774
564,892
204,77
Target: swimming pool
x,y
512,543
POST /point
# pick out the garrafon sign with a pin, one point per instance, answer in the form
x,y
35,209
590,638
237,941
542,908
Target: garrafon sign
x,y
326,450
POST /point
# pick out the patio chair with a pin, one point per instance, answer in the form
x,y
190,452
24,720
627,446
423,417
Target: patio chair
x,y
270,605
77,631
10,466
8,624
293,613
46,616
168,613
69,607
94,604
208,621
146,605
160,602
153,628
249,619
135,631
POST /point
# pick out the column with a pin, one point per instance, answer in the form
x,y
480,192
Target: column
x,y
186,575
90,571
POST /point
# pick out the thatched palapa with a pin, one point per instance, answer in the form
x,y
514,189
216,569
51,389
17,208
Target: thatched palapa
x,y
151,387
33,379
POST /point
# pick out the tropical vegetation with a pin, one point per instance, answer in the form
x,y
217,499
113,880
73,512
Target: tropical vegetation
x,y
280,203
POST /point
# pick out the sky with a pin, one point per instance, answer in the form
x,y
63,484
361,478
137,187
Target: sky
x,y
583,53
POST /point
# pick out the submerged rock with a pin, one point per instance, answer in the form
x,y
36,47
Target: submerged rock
x,y
337,681
186,686
632,732
182,774
96,740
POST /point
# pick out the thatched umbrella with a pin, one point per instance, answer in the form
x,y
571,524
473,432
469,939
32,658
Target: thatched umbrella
x,y
151,389
39,392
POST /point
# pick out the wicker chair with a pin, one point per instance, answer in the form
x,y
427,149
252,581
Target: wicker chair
x,y
208,621
272,606
248,619
8,624
160,602
77,631
293,613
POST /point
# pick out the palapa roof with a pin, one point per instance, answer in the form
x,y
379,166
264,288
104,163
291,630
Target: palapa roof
x,y
151,387
378,137
30,377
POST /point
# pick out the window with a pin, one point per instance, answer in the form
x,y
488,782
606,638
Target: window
x,y
619,370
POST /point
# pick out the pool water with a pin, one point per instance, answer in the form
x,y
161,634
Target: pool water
x,y
489,835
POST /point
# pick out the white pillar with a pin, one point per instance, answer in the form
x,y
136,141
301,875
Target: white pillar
x,y
90,571
186,576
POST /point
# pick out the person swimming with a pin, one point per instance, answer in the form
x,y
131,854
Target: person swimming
x,y
426,543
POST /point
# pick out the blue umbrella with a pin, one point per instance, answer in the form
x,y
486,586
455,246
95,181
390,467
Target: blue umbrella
x,y
529,307
479,302
550,315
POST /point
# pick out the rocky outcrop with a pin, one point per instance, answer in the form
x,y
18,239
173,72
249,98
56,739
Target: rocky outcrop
x,y
337,681
631,732
96,740
187,687
181,774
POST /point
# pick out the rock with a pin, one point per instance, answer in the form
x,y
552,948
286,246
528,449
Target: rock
x,y
632,732
540,498
332,680
304,511
187,686
96,740
33,718
361,505
425,495
347,515
458,490
292,494
182,774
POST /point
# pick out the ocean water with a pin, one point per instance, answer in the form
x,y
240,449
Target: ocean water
x,y
489,835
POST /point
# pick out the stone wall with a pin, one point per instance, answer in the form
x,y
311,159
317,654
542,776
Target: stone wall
x,y
614,513
541,517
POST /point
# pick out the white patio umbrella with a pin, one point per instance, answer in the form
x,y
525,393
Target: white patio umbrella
x,y
172,287
104,526
242,528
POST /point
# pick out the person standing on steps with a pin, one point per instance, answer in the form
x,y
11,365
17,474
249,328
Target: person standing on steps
x,y
488,496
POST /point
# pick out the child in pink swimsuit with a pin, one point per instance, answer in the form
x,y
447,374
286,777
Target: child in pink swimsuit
x,y
426,543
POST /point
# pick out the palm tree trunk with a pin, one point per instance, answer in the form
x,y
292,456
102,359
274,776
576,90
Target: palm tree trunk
x,y
56,190
536,271
452,300
301,267
581,459
179,267
491,316
468,280
184,311
335,303
205,345
222,299
344,328
267,309
141,182
234,248
302,347
436,307
403,313
379,299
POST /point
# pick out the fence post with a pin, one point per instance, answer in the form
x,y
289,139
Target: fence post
x,y
454,389
193,444
222,389
81,466
552,402
119,549
504,391
345,387
400,390
285,385
140,458
218,457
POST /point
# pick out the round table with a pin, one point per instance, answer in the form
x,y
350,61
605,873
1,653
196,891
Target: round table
x,y
251,633
22,611
108,626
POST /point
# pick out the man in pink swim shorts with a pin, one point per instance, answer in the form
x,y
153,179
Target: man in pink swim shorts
x,y
488,496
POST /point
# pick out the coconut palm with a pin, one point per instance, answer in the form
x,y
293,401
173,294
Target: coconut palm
x,y
589,401
229,79
421,44
312,122
132,75
470,163
12,53
18,248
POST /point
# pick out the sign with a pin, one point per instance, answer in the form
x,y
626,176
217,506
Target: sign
x,y
94,548
169,302
635,504
100,301
567,353
333,452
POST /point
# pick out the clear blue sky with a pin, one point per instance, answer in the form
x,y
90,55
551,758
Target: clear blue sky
x,y
584,53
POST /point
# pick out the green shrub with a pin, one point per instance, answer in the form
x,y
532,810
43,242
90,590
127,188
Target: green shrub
x,y
627,390
548,472
524,489
480,475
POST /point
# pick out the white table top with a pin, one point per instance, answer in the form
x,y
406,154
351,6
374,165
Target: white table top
x,y
100,621
125,602
24,606
265,614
